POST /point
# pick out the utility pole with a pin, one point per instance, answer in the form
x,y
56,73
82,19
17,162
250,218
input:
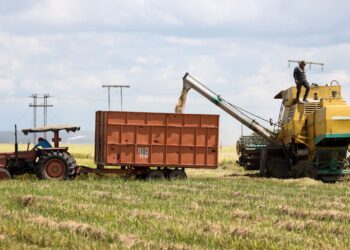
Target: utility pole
x,y
45,105
35,105
121,94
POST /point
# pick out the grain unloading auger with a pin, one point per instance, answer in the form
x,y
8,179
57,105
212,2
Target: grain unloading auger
x,y
311,140
189,82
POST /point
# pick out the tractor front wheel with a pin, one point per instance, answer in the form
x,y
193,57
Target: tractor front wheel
x,y
4,174
56,166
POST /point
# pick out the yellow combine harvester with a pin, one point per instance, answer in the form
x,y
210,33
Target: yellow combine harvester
x,y
317,132
311,139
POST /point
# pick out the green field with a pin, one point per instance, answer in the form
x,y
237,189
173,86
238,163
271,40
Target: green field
x,y
213,209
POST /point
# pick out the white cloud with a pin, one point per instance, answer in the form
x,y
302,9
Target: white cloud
x,y
238,49
53,12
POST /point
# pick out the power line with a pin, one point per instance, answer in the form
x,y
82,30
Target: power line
x,y
121,94
35,105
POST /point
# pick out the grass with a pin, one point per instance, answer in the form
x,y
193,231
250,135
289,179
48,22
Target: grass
x,y
213,209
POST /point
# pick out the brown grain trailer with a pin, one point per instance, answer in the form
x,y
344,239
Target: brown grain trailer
x,y
155,145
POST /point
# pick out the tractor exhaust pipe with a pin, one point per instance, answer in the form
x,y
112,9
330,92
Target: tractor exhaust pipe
x,y
16,144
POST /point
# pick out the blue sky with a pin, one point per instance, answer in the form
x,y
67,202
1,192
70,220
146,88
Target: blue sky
x,y
69,48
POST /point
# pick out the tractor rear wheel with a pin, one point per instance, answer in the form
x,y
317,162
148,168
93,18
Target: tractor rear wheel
x,y
56,165
4,174
177,174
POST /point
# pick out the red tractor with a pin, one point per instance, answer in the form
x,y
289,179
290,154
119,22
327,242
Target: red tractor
x,y
54,163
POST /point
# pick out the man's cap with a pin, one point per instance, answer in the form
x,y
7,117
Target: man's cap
x,y
302,62
40,139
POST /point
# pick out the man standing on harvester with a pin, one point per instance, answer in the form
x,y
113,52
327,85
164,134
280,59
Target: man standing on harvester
x,y
300,80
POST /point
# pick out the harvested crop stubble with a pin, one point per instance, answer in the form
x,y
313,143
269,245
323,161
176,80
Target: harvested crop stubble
x,y
194,206
303,181
296,225
224,203
318,215
242,214
73,226
162,195
115,196
242,232
148,214
30,200
84,230
310,225
213,228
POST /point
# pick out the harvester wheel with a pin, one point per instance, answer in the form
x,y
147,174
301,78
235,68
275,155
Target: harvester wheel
x,y
238,147
56,166
4,174
177,174
154,175
262,163
304,169
329,178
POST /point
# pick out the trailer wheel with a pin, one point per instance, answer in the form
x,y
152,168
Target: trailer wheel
x,y
166,173
177,174
56,166
154,175
4,174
